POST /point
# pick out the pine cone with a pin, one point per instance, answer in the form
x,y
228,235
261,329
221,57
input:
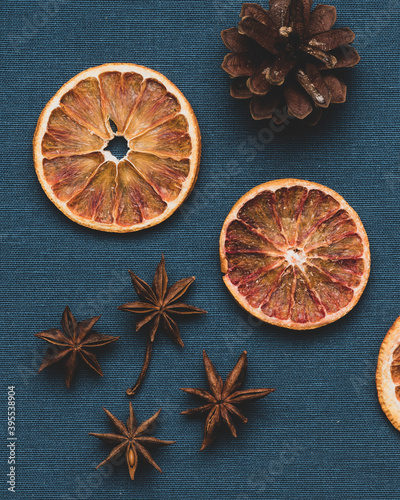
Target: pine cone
x,y
286,59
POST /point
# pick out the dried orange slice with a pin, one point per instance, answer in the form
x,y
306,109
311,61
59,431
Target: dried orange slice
x,y
294,254
90,185
388,374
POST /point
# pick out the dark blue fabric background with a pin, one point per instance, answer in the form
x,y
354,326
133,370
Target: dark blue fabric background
x,y
322,434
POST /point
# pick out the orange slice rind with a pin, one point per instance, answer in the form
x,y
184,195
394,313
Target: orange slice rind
x,y
294,254
388,374
85,181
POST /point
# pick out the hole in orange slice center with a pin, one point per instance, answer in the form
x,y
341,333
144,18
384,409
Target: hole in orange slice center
x,y
118,147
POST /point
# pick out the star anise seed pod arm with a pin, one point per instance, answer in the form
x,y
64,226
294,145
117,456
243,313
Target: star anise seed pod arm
x,y
228,420
119,426
180,308
195,411
222,398
69,323
138,307
213,421
232,409
178,289
146,455
236,377
249,395
52,358
160,281
74,342
158,304
146,425
54,336
143,289
108,438
201,393
115,452
96,339
154,441
131,441
214,380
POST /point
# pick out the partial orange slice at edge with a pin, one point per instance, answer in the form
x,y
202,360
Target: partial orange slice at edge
x,y
388,374
85,181
294,254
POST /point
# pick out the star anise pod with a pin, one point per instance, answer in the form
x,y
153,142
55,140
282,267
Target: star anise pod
x,y
131,440
286,59
75,341
159,305
223,397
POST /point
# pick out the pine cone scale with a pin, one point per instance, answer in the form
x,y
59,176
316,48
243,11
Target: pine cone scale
x,y
346,56
280,69
322,18
237,42
256,11
240,64
257,83
329,60
313,83
299,15
239,89
336,87
279,11
329,40
262,108
264,35
299,104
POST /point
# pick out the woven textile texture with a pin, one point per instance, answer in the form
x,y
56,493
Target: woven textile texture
x,y
322,434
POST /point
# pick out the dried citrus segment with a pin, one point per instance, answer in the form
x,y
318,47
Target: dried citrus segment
x,y
96,200
83,104
164,175
261,285
85,180
119,92
65,137
348,272
169,139
388,374
335,228
332,295
280,301
306,307
260,215
243,266
289,204
67,175
154,106
241,239
318,207
294,254
135,195
351,247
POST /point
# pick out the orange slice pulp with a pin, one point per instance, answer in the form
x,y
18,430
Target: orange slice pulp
x,y
90,185
294,254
